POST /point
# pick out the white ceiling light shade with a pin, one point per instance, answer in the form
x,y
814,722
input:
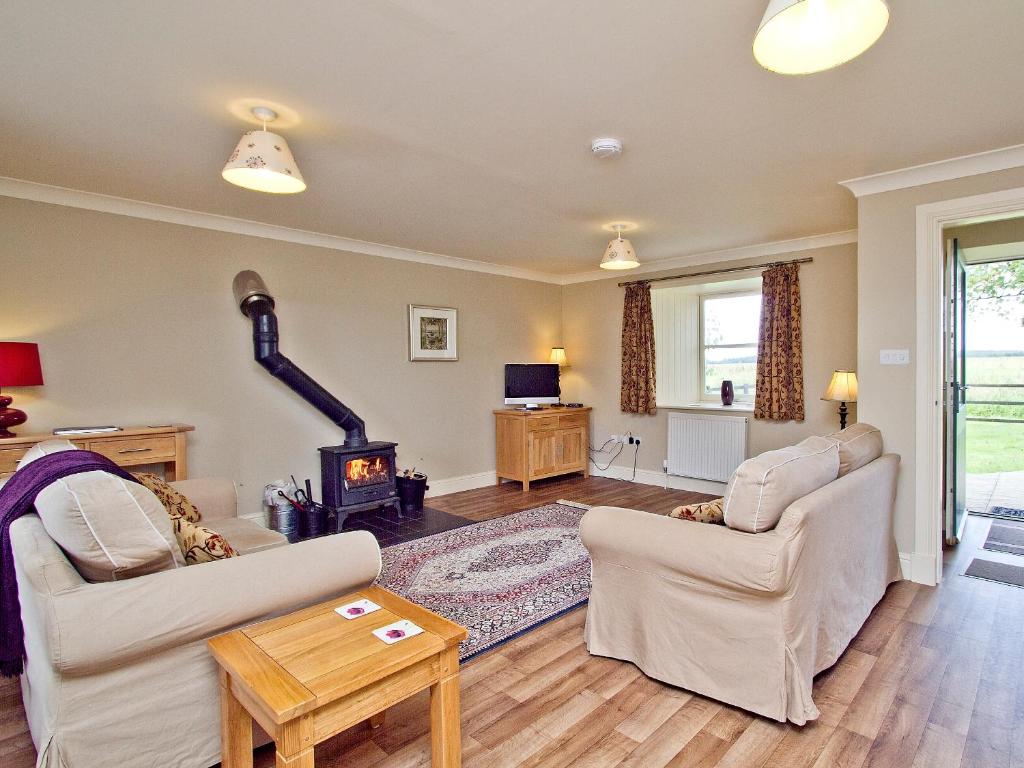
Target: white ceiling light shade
x,y
605,147
263,162
619,254
798,37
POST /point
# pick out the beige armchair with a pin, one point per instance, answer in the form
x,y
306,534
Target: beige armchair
x,y
118,672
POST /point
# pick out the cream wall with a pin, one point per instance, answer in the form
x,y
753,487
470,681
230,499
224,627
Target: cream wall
x,y
592,323
886,267
136,325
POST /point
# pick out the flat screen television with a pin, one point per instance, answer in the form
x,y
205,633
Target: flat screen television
x,y
531,384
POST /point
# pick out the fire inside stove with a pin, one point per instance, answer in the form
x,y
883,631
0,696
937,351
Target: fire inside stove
x,y
360,472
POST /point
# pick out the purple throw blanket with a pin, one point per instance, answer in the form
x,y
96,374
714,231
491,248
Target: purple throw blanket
x,y
16,499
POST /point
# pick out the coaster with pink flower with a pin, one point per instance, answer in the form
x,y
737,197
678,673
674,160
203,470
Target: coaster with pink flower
x,y
357,609
392,633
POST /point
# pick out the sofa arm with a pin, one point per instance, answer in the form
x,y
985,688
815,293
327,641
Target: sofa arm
x,y
214,497
112,624
683,550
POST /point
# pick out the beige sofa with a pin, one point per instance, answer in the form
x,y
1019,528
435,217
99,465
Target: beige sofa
x,y
744,618
118,673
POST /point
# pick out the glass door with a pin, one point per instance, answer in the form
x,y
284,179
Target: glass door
x,y
956,394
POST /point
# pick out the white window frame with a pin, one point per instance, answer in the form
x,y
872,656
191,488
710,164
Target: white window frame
x,y
704,395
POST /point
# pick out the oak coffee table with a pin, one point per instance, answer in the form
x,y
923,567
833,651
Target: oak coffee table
x,y
311,674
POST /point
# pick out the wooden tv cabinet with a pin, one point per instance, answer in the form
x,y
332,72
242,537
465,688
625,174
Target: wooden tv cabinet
x,y
531,445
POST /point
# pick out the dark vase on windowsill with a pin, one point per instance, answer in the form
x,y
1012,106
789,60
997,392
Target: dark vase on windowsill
x,y
727,393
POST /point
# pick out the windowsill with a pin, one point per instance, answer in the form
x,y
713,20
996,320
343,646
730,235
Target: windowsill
x,y
735,407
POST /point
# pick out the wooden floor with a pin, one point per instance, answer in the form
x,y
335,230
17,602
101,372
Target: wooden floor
x,y
934,679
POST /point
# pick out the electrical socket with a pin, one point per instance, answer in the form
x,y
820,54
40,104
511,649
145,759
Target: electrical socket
x,y
614,438
664,465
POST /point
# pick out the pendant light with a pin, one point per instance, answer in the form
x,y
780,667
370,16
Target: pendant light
x,y
262,160
798,37
619,254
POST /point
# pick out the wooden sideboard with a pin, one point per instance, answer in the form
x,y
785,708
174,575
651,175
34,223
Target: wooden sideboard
x,y
535,444
129,447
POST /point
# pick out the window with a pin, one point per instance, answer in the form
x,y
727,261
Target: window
x,y
729,330
704,334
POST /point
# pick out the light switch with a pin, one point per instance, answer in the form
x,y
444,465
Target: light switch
x,y
894,356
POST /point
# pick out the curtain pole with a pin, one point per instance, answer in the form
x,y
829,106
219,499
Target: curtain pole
x,y
808,260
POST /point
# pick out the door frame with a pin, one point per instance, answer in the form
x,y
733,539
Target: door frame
x,y
932,219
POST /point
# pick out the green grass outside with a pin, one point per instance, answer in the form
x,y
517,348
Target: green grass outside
x,y
991,446
994,447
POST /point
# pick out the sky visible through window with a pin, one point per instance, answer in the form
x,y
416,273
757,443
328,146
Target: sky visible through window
x,y
989,331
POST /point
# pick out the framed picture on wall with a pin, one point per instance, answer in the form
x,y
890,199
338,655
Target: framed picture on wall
x,y
433,333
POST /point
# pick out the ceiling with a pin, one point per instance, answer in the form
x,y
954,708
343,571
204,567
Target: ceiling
x,y
462,127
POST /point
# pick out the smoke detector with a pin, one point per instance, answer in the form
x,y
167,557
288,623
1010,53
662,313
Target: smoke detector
x,y
606,147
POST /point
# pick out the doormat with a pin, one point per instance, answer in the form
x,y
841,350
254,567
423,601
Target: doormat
x,y
1007,512
1017,514
499,578
990,570
1005,536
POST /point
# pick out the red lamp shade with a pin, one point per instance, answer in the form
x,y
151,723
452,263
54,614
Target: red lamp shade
x,y
19,364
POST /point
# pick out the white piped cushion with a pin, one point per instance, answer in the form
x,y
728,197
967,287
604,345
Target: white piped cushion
x,y
109,528
859,444
762,487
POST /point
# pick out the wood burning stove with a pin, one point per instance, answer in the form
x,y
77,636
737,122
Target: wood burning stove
x,y
356,475
362,477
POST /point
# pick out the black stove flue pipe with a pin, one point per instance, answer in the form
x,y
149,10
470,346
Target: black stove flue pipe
x,y
256,303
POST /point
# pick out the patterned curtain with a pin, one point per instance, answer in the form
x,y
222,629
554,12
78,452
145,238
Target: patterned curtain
x,y
780,360
637,394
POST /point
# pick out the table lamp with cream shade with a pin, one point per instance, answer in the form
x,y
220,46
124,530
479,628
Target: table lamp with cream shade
x,y
558,357
19,367
842,389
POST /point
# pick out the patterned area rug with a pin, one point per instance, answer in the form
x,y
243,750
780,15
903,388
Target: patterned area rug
x,y
498,578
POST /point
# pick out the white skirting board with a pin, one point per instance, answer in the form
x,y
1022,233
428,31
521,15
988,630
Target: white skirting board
x,y
437,488
650,477
905,567
918,567
463,483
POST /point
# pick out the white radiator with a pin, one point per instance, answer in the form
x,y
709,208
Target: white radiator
x,y
706,447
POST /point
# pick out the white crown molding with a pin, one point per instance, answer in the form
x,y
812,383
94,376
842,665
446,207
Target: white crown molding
x,y
942,170
757,251
139,209
121,206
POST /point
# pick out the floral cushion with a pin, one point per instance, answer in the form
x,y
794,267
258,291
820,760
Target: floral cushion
x,y
199,544
175,502
703,512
